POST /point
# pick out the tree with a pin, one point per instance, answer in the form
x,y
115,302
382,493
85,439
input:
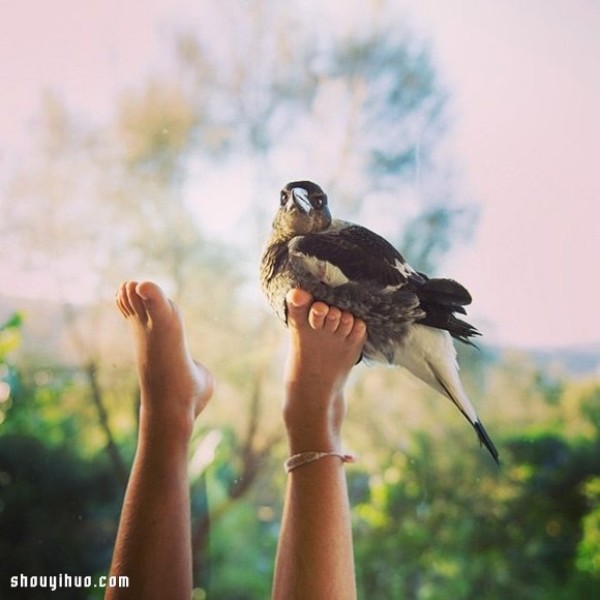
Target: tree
x,y
277,95
433,519
10,339
59,513
359,108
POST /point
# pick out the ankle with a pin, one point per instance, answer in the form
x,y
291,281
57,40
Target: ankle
x,y
166,427
302,440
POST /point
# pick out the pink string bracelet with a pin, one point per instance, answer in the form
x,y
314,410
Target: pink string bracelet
x,y
305,458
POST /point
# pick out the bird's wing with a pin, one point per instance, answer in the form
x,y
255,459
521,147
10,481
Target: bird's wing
x,y
354,253
444,291
440,299
351,253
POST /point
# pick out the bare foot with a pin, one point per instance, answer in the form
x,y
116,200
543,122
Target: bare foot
x,y
174,388
325,345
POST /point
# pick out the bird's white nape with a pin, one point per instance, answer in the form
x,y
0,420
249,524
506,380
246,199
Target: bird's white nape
x,y
323,270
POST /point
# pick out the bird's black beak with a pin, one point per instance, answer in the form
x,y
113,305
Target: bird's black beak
x,y
300,198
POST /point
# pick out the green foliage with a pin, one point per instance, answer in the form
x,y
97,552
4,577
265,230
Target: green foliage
x,y
58,513
588,557
10,334
431,520
58,509
52,404
590,407
429,529
10,339
242,551
238,561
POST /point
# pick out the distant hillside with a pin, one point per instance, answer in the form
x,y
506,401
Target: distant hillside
x,y
576,360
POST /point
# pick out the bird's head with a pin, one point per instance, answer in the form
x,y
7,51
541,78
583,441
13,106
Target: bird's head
x,y
302,209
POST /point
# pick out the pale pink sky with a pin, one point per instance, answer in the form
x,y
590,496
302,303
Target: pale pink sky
x,y
526,89
527,86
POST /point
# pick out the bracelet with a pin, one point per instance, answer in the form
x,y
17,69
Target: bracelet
x,y
305,458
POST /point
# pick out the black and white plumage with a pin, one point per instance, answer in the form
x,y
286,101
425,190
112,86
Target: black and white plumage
x,y
410,317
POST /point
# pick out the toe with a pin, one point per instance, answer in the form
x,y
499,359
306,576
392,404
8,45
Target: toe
x,y
332,321
298,305
346,323
154,301
134,302
123,300
149,291
358,331
317,315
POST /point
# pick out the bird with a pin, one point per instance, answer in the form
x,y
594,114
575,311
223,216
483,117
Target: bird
x,y
411,318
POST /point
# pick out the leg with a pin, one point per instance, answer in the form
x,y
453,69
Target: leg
x,y
153,546
315,555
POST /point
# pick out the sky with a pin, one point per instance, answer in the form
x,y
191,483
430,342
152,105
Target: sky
x,y
528,157
531,159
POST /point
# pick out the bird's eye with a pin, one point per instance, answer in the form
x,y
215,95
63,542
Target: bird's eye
x,y
318,201
283,198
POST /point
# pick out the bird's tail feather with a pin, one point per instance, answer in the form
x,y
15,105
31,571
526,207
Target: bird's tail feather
x,y
430,355
460,400
486,441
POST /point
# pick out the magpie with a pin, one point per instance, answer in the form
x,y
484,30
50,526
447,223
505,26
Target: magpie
x,y
411,318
